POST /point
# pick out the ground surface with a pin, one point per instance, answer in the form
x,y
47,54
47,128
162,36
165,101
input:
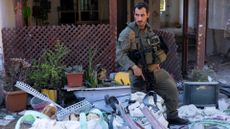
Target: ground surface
x,y
221,67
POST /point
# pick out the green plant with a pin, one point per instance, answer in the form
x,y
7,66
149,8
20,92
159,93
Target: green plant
x,y
55,55
201,75
26,12
16,71
91,74
46,76
48,71
74,69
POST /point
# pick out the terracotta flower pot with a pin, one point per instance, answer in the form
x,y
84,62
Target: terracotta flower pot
x,y
16,101
74,79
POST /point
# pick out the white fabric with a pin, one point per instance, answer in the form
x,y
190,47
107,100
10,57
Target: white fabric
x,y
135,109
91,121
193,113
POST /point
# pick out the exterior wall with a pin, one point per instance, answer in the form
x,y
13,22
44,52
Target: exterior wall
x,y
104,10
216,43
192,18
53,15
7,19
7,13
170,17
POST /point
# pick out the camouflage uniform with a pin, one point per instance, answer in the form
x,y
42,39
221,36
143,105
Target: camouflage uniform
x,y
165,85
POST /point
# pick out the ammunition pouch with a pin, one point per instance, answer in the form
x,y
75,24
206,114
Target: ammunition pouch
x,y
155,57
151,56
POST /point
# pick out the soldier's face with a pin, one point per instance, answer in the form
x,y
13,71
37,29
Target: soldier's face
x,y
141,16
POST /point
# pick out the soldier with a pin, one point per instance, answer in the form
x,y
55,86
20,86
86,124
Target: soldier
x,y
137,36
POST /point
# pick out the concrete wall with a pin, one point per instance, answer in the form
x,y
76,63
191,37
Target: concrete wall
x,y
53,15
218,17
192,18
7,19
174,14
216,43
170,17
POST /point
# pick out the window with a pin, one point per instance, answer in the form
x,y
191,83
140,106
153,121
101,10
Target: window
x,y
79,11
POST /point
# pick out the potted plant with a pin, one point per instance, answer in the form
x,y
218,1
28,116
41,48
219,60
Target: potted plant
x,y
91,74
74,75
47,72
15,99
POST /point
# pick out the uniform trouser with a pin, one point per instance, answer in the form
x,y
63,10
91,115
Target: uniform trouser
x,y
165,87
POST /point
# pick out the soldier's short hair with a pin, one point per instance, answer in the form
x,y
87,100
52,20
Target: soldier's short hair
x,y
140,5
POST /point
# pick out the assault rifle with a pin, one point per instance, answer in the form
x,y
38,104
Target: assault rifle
x,y
138,57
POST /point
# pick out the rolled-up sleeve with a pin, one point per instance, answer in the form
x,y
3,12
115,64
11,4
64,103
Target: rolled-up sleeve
x,y
122,47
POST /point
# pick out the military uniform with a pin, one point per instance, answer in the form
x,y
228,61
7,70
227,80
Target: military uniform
x,y
165,85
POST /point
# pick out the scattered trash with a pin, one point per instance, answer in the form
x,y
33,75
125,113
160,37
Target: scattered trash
x,y
5,119
38,104
50,110
30,117
85,121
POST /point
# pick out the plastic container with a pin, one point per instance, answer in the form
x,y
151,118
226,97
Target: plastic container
x,y
201,94
98,94
38,104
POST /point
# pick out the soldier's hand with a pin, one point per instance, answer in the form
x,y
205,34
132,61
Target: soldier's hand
x,y
137,71
157,67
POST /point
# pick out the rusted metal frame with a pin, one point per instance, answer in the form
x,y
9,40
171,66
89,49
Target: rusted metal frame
x,y
201,33
113,24
185,38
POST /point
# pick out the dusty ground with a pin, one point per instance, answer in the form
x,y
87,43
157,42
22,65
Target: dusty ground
x,y
221,67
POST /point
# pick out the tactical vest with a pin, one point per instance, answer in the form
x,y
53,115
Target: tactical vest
x,y
149,45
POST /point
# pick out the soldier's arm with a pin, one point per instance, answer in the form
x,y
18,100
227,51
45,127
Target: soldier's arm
x,y
122,48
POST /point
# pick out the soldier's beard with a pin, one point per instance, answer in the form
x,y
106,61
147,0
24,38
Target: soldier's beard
x,y
141,24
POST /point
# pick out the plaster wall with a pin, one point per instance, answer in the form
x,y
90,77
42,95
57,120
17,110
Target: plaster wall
x,y
192,18
53,15
216,43
173,15
170,17
7,19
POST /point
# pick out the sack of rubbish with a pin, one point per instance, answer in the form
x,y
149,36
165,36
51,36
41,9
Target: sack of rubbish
x,y
144,110
94,119
151,102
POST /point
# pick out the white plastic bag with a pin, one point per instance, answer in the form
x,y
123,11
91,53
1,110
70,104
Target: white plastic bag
x,y
97,123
